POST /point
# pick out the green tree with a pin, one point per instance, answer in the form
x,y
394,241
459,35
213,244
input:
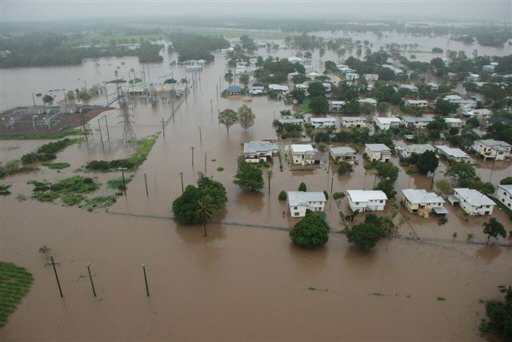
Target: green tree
x,y
299,95
316,89
249,177
246,117
310,232
499,316
228,118
385,224
47,99
344,168
427,162
364,236
303,187
493,228
244,79
463,173
282,195
506,181
186,207
352,107
445,108
319,105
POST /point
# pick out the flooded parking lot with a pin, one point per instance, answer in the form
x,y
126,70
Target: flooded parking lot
x,y
245,281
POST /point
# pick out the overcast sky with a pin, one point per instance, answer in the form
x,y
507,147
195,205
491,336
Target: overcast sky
x,y
480,10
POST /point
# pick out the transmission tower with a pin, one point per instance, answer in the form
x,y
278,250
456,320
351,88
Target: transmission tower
x,y
128,132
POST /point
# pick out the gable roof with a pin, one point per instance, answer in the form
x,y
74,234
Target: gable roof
x,y
259,146
366,195
474,197
421,196
302,198
342,151
506,187
377,147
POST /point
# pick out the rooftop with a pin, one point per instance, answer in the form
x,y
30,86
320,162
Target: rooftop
x,y
414,119
299,198
259,146
421,196
506,187
387,120
353,118
342,151
473,197
377,147
452,152
366,195
496,144
302,148
418,148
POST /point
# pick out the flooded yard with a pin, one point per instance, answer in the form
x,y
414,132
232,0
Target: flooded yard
x,y
245,281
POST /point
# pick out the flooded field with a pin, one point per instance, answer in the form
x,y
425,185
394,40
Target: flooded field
x,y
244,281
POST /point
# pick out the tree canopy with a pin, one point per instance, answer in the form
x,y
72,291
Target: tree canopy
x,y
249,177
364,236
246,117
427,162
228,118
319,105
311,232
499,316
494,228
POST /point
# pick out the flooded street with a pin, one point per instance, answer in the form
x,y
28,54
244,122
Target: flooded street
x,y
245,281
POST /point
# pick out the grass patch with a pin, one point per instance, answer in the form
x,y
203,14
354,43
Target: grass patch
x,y
98,202
47,151
4,189
440,299
21,198
131,163
61,135
15,283
56,166
117,184
70,190
13,167
220,169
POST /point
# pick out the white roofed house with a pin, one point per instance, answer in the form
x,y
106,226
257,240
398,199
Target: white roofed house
x,y
351,76
387,123
371,77
416,103
423,202
354,121
377,152
278,88
417,121
473,202
256,151
454,122
325,122
396,71
409,87
414,149
300,202
336,106
368,100
290,121
504,195
366,200
482,113
304,154
455,154
433,86
494,149
344,153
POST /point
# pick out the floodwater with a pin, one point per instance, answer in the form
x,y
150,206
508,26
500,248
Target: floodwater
x,y
244,281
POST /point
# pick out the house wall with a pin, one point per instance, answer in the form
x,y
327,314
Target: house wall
x,y
415,206
300,211
371,205
505,198
489,152
353,123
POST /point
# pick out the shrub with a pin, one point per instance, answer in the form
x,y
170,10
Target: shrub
x,y
303,187
283,196
338,195
364,236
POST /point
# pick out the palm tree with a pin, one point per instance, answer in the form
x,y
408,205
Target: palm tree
x,y
206,210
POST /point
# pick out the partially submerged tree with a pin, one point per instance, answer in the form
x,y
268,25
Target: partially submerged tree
x,y
311,232
344,168
499,316
364,236
228,118
493,228
427,162
303,187
246,117
249,177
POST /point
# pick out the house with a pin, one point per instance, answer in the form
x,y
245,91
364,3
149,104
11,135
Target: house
x,y
300,202
482,113
472,201
351,76
433,86
396,71
304,154
278,88
455,154
371,77
368,100
416,103
386,123
494,149
420,200
295,60
326,122
409,87
414,149
454,122
377,152
453,98
504,195
336,106
353,121
327,87
366,200
290,121
417,121
234,90
256,151
344,153
488,68
473,77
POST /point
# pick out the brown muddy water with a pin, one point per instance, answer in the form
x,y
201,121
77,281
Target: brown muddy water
x,y
244,281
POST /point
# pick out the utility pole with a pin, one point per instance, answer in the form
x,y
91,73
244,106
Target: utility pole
x,y
205,157
90,278
192,156
145,279
211,106
146,183
182,188
200,136
122,169
101,137
56,276
106,125
163,128
269,173
332,181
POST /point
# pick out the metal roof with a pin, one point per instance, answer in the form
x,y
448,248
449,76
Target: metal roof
x,y
259,146
366,195
377,147
473,197
421,196
301,198
342,151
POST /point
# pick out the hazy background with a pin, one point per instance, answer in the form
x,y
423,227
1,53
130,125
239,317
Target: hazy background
x,y
477,11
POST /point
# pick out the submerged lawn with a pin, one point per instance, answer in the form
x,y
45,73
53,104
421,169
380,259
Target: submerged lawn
x,y
15,283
